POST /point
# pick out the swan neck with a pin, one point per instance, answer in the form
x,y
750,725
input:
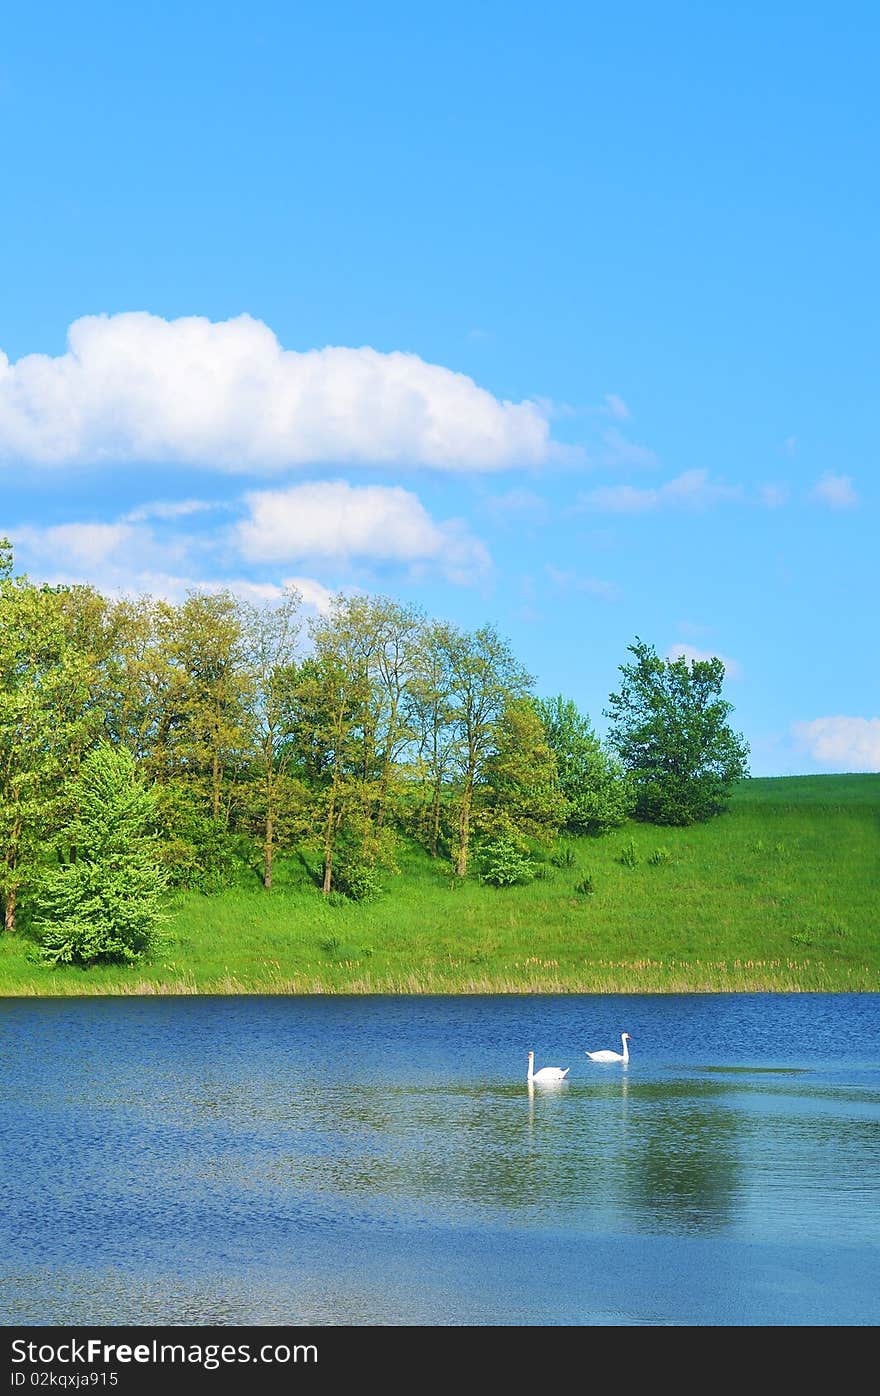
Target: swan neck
x,y
625,1049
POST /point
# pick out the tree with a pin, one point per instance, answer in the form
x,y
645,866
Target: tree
x,y
46,723
270,634
524,795
669,725
104,905
485,677
430,714
331,702
599,793
207,701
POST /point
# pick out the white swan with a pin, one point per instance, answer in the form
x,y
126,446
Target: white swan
x,y
613,1056
547,1073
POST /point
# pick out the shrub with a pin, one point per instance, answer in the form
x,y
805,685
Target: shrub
x,y
505,864
586,887
357,880
563,857
628,855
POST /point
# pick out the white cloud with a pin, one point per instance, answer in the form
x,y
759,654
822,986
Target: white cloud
x,y
136,388
846,743
732,667
123,560
693,490
175,509
834,490
78,545
312,593
340,521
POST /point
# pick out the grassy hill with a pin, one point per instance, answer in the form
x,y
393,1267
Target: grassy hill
x,y
781,893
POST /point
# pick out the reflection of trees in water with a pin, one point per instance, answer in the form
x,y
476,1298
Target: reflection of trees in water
x,y
665,1154
684,1170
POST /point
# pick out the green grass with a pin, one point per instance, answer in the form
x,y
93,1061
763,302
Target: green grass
x,y
779,894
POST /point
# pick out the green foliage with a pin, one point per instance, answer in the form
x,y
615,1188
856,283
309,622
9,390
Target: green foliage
x,y
196,850
669,725
523,790
105,903
563,856
586,887
504,863
599,794
719,918
355,878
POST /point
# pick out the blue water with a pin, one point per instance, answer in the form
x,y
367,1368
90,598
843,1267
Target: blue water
x,y
382,1161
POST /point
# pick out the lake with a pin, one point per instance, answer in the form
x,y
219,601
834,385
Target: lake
x,y
370,1161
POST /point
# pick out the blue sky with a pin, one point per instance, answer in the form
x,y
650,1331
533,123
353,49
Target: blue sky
x,y
563,319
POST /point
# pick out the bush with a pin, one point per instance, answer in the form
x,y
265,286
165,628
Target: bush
x,y
563,857
586,887
356,879
628,855
505,864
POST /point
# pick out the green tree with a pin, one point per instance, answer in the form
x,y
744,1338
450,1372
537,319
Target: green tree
x,y
430,714
270,636
485,676
104,904
331,700
670,726
46,723
207,699
600,795
523,789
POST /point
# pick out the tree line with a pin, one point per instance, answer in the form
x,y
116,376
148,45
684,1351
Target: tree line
x,y
230,733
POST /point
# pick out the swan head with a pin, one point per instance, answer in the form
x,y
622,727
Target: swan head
x,y
627,1036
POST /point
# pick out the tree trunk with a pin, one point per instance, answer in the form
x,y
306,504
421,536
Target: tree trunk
x,y
328,849
464,830
435,831
267,853
215,785
9,910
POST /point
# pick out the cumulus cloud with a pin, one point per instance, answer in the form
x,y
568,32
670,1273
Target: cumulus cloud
x,y
120,559
846,743
732,668
692,490
836,491
313,593
136,388
333,519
